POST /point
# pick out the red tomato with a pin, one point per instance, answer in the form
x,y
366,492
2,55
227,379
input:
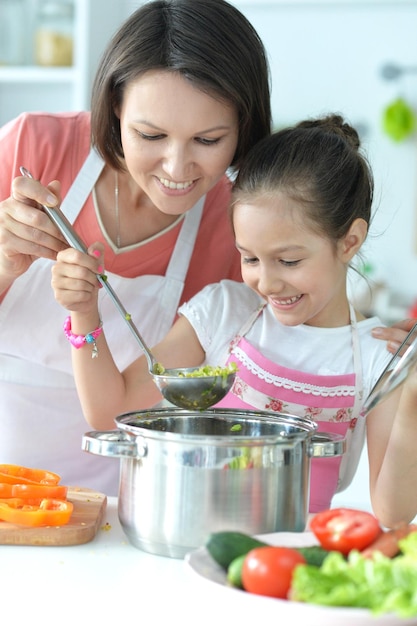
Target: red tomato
x,y
345,529
267,571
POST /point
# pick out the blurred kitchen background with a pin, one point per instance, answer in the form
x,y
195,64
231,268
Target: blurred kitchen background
x,y
356,57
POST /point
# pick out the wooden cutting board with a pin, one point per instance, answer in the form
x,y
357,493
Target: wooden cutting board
x,y
86,519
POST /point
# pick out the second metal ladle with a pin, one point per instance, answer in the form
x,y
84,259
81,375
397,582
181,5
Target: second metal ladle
x,y
176,385
398,373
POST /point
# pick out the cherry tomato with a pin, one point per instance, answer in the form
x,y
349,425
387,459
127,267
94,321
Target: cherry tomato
x,y
345,529
267,571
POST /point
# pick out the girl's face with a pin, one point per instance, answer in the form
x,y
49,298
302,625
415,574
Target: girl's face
x,y
301,274
178,141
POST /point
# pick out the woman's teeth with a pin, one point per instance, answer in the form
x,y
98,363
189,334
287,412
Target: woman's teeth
x,y
171,185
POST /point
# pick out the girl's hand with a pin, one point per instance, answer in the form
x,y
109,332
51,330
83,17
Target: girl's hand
x,y
26,232
394,335
74,278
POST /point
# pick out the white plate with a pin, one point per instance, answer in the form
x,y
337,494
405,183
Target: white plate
x,y
209,571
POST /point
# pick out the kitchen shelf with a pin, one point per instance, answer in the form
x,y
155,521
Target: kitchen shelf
x,y
33,88
33,74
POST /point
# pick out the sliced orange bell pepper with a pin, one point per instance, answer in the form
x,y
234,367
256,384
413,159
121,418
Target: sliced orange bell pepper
x,y
18,474
6,490
47,512
32,497
40,491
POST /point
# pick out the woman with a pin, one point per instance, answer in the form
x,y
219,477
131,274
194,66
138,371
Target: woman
x,y
181,94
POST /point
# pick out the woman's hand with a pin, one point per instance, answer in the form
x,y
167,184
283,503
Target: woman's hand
x,y
26,232
394,335
74,278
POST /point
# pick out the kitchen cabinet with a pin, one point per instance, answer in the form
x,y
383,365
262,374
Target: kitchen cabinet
x,y
30,87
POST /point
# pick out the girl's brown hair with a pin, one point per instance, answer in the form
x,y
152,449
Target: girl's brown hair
x,y
319,164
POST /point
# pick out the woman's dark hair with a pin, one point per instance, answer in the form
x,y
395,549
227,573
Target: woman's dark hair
x,y
318,163
208,42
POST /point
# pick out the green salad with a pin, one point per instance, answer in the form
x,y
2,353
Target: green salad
x,y
201,372
380,584
210,370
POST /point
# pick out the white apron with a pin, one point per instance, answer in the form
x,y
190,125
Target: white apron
x,y
41,418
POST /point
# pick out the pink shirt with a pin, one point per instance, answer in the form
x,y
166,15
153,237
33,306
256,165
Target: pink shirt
x,y
54,146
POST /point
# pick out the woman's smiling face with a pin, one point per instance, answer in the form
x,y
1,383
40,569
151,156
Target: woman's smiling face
x,y
301,274
178,141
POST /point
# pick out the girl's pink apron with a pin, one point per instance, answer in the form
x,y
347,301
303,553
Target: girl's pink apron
x,y
41,417
334,402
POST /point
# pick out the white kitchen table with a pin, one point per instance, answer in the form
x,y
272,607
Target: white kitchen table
x,y
108,581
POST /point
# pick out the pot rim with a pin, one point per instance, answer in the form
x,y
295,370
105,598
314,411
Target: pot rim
x,y
130,423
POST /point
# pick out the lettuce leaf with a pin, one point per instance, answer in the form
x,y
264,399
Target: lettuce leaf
x,y
380,584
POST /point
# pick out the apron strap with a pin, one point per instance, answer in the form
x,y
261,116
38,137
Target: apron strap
x,y
181,255
82,185
247,325
180,258
357,361
179,263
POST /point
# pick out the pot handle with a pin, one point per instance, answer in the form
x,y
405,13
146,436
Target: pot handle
x,y
324,445
113,443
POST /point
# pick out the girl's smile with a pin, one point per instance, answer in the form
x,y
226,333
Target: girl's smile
x,y
284,303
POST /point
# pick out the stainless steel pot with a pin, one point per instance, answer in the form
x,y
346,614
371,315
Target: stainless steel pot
x,y
185,474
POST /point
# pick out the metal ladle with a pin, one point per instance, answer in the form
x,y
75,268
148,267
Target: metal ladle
x,y
176,385
387,384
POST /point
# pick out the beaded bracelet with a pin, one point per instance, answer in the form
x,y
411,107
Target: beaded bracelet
x,y
78,341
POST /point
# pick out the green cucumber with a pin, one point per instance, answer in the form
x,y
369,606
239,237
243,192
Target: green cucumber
x,y
234,572
314,555
226,546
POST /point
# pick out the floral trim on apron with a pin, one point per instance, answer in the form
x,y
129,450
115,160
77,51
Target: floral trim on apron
x,y
333,402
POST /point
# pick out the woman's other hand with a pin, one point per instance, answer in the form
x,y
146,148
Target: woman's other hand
x,y
394,335
26,232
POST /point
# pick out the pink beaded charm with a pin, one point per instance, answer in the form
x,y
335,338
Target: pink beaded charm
x,y
78,341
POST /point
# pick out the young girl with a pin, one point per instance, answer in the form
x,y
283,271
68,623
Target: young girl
x,y
301,211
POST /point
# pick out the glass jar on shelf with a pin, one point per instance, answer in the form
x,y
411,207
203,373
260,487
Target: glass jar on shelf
x,y
12,32
54,33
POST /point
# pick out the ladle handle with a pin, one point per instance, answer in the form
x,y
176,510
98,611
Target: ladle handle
x,y
128,319
66,228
